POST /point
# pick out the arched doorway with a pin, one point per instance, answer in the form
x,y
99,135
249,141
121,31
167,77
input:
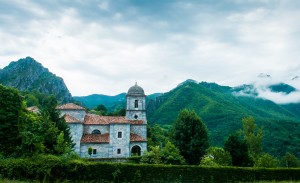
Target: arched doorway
x,y
136,150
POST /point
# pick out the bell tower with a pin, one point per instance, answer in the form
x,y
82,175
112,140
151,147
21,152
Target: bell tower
x,y
136,104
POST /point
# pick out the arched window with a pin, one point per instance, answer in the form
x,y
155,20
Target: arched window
x,y
135,116
136,104
96,132
136,150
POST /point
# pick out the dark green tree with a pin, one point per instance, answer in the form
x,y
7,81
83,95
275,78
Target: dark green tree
x,y
190,136
11,107
238,149
101,109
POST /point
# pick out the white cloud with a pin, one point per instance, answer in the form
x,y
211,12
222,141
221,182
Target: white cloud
x,y
105,47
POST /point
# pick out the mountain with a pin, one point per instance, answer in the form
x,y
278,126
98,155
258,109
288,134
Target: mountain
x,y
111,102
27,74
222,110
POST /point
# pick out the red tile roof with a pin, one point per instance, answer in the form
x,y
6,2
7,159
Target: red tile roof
x,y
70,106
136,138
95,138
70,119
105,120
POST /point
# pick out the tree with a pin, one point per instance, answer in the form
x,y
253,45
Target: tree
x,y
101,109
153,156
216,156
253,136
238,150
11,108
266,161
90,150
167,155
171,155
289,161
190,136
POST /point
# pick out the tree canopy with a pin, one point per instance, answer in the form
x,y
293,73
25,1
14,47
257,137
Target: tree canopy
x,y
190,136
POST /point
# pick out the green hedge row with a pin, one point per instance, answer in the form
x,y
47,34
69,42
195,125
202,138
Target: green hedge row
x,y
54,169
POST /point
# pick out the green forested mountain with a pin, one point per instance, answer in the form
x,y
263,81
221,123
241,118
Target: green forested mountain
x,y
111,102
222,112
28,75
91,101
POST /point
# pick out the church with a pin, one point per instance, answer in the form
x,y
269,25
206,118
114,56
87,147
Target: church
x,y
109,136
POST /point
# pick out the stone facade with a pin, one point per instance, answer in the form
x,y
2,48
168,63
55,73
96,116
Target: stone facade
x,y
109,136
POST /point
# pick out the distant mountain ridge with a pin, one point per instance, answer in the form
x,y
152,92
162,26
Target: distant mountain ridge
x,y
27,74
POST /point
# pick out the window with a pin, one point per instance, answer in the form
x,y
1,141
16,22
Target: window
x,y
135,116
94,151
118,151
119,135
96,132
136,104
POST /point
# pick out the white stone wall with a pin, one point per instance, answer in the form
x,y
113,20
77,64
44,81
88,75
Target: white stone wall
x,y
78,114
140,130
119,143
131,111
131,102
88,129
76,130
102,150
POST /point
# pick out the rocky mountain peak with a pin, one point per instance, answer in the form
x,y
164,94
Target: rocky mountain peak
x,y
27,74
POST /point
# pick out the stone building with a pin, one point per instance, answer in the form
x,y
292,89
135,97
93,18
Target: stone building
x,y
109,136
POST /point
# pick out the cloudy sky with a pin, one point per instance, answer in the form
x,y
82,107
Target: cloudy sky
x,y
104,46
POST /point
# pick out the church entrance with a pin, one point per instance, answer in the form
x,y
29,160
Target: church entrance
x,y
136,150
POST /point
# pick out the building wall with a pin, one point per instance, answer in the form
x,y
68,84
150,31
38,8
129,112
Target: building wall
x,y
102,150
140,130
88,129
76,130
119,143
78,114
140,111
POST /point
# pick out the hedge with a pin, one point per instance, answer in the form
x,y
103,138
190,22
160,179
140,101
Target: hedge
x,y
53,169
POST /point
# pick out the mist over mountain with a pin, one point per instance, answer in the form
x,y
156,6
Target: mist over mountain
x,y
27,74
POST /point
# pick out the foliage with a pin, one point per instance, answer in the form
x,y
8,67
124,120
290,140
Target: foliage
x,y
216,156
171,155
190,136
25,133
11,109
253,136
167,155
90,150
238,150
154,156
53,169
157,136
266,161
289,161
221,108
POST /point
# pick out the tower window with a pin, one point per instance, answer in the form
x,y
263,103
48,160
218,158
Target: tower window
x,y
118,151
119,135
136,104
135,116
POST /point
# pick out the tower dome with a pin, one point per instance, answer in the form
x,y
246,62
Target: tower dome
x,y
135,91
